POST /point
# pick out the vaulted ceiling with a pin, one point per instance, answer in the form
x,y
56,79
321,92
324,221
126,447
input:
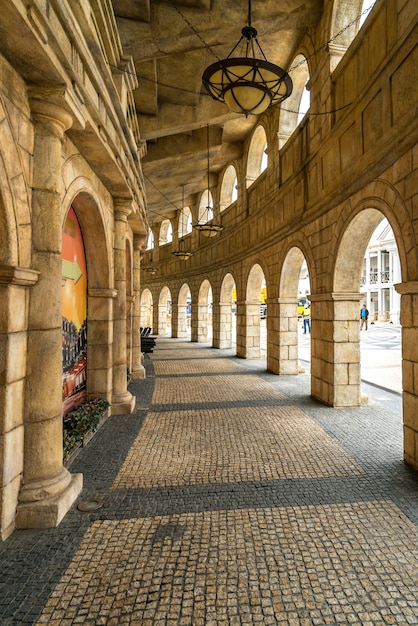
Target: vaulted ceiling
x,y
172,42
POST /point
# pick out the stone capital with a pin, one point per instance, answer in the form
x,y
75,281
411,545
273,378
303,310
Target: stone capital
x,y
283,300
49,111
12,275
409,288
336,297
122,208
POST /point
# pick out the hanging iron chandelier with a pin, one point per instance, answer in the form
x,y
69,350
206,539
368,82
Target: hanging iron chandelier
x,y
205,224
181,253
248,83
150,269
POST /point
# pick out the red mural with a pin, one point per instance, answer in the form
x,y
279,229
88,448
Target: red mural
x,y
74,315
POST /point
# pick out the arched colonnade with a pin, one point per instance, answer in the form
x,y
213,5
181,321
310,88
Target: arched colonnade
x,y
335,296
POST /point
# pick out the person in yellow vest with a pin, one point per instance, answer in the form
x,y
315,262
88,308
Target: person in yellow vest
x,y
306,315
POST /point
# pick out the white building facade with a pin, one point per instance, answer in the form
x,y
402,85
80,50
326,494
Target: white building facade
x,y
381,271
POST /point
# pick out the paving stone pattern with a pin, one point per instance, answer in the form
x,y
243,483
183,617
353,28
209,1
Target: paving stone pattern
x,y
230,497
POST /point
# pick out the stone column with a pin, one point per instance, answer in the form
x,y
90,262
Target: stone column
x,y
48,489
138,369
100,342
182,321
282,336
409,321
130,303
248,330
15,283
174,319
194,323
335,349
202,323
122,400
222,322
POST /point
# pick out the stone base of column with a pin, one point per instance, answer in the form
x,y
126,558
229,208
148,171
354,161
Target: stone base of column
x,y
49,512
122,404
138,373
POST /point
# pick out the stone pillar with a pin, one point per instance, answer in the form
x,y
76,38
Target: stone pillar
x,y
100,342
282,336
409,321
222,322
122,400
130,303
48,489
248,330
138,369
14,296
202,323
182,321
194,323
174,320
335,349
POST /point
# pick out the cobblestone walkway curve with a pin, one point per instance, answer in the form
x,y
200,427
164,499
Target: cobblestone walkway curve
x,y
230,497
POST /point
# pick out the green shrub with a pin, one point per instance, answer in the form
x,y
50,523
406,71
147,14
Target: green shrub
x,y
82,420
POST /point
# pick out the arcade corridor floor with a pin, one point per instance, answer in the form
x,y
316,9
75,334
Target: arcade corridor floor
x,y
229,497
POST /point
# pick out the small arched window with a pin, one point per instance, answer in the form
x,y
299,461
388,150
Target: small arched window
x,y
257,155
185,222
299,101
166,232
305,103
150,242
229,189
205,207
347,19
365,10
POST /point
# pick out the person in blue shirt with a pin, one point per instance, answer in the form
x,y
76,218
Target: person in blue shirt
x,y
364,316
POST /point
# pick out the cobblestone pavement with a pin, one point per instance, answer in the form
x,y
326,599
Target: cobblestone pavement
x,y
230,497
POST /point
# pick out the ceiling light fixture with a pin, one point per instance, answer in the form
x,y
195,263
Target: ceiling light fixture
x,y
206,226
151,268
248,83
182,253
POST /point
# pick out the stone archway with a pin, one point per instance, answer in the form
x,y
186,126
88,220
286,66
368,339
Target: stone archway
x,y
202,319
146,309
282,347
184,306
101,295
16,281
248,316
223,314
344,305
336,361
164,312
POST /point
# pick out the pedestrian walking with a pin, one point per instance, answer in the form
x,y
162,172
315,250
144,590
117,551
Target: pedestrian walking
x,y
364,316
306,319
